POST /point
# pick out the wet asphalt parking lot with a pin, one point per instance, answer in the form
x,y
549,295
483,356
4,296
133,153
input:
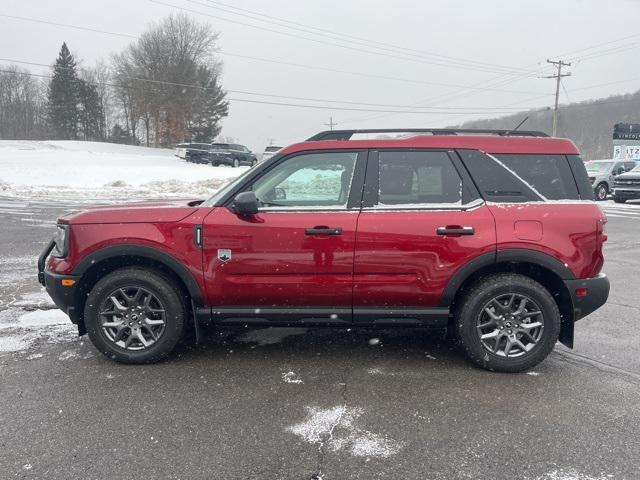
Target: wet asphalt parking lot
x,y
312,403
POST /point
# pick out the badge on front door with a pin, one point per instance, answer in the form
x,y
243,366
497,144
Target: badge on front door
x,y
224,254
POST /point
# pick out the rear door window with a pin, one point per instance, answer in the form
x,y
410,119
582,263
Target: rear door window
x,y
418,178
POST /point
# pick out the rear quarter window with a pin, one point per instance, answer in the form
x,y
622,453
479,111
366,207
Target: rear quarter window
x,y
550,175
523,178
495,183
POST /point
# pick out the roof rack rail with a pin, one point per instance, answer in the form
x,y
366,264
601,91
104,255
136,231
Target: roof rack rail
x,y
347,134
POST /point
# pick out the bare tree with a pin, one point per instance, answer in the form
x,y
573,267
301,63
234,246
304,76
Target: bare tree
x,y
22,105
170,78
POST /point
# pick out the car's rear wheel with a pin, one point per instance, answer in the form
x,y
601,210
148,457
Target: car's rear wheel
x,y
619,199
507,323
134,315
602,191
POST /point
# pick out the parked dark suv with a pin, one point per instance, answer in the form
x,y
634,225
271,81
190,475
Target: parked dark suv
x,y
492,235
193,152
231,154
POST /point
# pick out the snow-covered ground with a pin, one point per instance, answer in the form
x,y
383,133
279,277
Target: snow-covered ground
x,y
104,171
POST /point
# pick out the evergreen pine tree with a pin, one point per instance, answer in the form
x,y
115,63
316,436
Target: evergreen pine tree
x,y
62,113
90,113
209,107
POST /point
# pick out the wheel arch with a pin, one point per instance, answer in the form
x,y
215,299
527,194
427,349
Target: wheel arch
x,y
108,259
539,266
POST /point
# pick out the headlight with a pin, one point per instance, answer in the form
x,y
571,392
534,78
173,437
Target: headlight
x,y
61,241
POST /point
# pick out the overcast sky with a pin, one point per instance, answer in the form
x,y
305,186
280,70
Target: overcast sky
x,y
489,45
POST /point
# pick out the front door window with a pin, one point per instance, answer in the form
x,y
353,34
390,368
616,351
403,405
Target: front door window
x,y
318,180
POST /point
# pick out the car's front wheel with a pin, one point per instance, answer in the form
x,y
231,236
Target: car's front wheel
x,y
602,191
236,163
135,315
507,322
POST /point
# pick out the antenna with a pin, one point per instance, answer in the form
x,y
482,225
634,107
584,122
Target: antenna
x,y
521,123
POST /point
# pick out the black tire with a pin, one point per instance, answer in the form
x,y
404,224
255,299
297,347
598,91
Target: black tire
x,y
470,313
619,200
170,298
236,163
601,192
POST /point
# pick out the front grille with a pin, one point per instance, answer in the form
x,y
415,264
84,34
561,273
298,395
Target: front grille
x,y
623,183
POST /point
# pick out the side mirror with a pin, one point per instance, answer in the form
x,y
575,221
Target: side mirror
x,y
245,204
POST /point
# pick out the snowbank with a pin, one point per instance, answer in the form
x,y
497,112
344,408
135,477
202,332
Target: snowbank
x,y
68,169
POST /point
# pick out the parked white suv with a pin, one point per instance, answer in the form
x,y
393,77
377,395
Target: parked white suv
x,y
601,173
269,152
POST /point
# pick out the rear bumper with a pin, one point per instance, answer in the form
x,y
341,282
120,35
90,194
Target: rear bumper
x,y
597,294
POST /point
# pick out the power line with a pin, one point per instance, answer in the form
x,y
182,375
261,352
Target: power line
x,y
323,42
264,102
46,22
368,75
341,36
246,92
268,60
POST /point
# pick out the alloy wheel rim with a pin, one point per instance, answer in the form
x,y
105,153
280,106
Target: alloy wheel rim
x,y
602,193
510,325
132,318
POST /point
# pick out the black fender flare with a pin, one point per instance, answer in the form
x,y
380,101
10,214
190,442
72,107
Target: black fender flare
x,y
151,253
505,255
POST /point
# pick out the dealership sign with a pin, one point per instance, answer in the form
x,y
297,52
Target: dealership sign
x,y
627,152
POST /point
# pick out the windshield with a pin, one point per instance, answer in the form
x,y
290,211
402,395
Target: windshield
x,y
599,166
272,149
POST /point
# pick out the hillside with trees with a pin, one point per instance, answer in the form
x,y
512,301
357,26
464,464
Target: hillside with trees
x,y
589,124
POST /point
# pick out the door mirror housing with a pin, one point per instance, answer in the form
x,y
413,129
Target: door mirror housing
x,y
245,204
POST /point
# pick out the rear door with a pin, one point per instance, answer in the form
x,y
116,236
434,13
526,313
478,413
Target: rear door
x,y
292,261
422,220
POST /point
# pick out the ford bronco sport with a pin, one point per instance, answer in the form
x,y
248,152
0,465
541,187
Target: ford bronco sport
x,y
492,235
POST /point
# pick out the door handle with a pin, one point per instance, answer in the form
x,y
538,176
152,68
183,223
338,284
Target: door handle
x,y
322,230
455,230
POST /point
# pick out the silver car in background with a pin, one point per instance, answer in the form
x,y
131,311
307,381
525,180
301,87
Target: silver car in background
x,y
269,152
602,172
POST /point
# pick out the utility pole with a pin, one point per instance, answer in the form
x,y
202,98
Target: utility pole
x,y
331,123
558,64
271,140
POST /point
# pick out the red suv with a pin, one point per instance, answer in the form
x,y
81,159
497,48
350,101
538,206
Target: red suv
x,y
490,234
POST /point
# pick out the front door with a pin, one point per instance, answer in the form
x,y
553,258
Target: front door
x,y
421,221
292,262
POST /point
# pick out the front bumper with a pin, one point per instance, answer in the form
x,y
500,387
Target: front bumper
x,y
626,192
64,296
597,292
